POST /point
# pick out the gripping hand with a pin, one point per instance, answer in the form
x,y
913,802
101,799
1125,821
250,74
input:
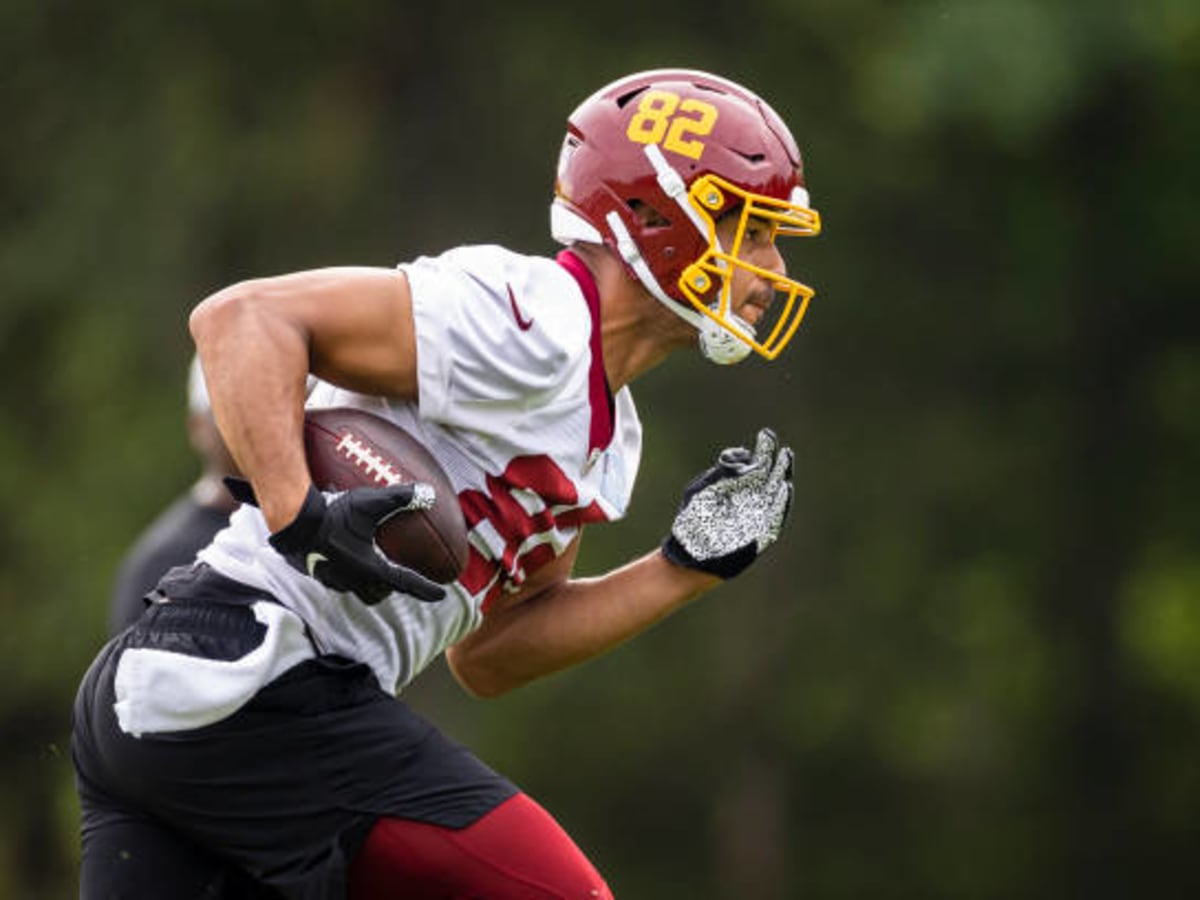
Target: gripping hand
x,y
733,511
332,539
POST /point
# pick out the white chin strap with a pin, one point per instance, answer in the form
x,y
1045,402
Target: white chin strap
x,y
722,346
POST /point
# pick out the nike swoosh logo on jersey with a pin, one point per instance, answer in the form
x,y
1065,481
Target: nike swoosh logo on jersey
x,y
522,323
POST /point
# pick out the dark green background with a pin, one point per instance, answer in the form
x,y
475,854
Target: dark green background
x,y
971,667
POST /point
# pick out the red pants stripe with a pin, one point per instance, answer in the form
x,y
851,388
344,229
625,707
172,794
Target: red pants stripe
x,y
515,852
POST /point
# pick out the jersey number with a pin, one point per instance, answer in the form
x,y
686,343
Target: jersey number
x,y
656,118
532,500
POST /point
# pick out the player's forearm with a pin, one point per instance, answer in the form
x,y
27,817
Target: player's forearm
x,y
254,365
258,340
572,622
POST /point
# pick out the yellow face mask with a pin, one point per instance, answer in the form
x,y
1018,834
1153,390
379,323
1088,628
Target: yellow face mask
x,y
708,196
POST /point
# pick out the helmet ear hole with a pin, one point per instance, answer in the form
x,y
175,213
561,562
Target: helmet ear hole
x,y
647,215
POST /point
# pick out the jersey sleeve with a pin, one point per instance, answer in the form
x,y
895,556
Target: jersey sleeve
x,y
498,335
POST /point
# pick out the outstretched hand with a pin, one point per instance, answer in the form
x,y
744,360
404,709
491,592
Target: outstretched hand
x,y
734,510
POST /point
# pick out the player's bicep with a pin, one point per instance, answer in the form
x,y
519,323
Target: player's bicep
x,y
358,322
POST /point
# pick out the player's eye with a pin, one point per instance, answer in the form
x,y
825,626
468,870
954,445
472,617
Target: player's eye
x,y
759,232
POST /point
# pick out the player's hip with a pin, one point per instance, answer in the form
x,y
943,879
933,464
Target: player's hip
x,y
306,764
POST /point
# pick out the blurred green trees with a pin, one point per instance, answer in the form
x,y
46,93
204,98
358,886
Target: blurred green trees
x,y
970,669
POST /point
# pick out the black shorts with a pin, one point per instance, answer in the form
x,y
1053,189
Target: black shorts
x,y
285,789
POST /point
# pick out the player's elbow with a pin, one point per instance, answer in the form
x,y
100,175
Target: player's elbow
x,y
476,677
218,313
243,306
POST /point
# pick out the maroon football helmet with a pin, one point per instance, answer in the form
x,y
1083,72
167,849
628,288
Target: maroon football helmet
x,y
648,166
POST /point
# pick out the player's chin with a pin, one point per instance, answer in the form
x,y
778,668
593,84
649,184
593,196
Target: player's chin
x,y
752,313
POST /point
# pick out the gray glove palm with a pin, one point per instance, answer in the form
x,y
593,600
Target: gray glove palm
x,y
733,511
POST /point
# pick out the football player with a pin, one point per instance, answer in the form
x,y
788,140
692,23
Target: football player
x,y
249,725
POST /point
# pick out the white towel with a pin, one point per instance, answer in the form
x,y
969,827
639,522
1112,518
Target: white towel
x,y
161,691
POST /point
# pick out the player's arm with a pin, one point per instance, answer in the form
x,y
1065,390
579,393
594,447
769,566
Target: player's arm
x,y
259,339
558,621
729,515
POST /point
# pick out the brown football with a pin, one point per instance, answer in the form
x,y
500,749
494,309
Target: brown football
x,y
349,448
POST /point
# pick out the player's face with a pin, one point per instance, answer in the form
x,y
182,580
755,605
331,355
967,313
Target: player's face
x,y
752,294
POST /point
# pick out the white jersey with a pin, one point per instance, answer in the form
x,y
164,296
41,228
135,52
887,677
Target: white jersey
x,y
513,402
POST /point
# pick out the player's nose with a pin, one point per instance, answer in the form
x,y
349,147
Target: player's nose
x,y
775,263
769,258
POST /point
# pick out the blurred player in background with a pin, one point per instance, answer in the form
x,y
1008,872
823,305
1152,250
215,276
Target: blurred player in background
x,y
249,721
185,526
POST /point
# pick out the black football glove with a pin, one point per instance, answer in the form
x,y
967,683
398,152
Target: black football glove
x,y
733,511
332,539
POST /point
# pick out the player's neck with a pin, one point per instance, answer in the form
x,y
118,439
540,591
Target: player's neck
x,y
637,333
629,352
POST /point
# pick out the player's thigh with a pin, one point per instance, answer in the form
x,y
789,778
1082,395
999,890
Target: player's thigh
x,y
515,852
131,856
